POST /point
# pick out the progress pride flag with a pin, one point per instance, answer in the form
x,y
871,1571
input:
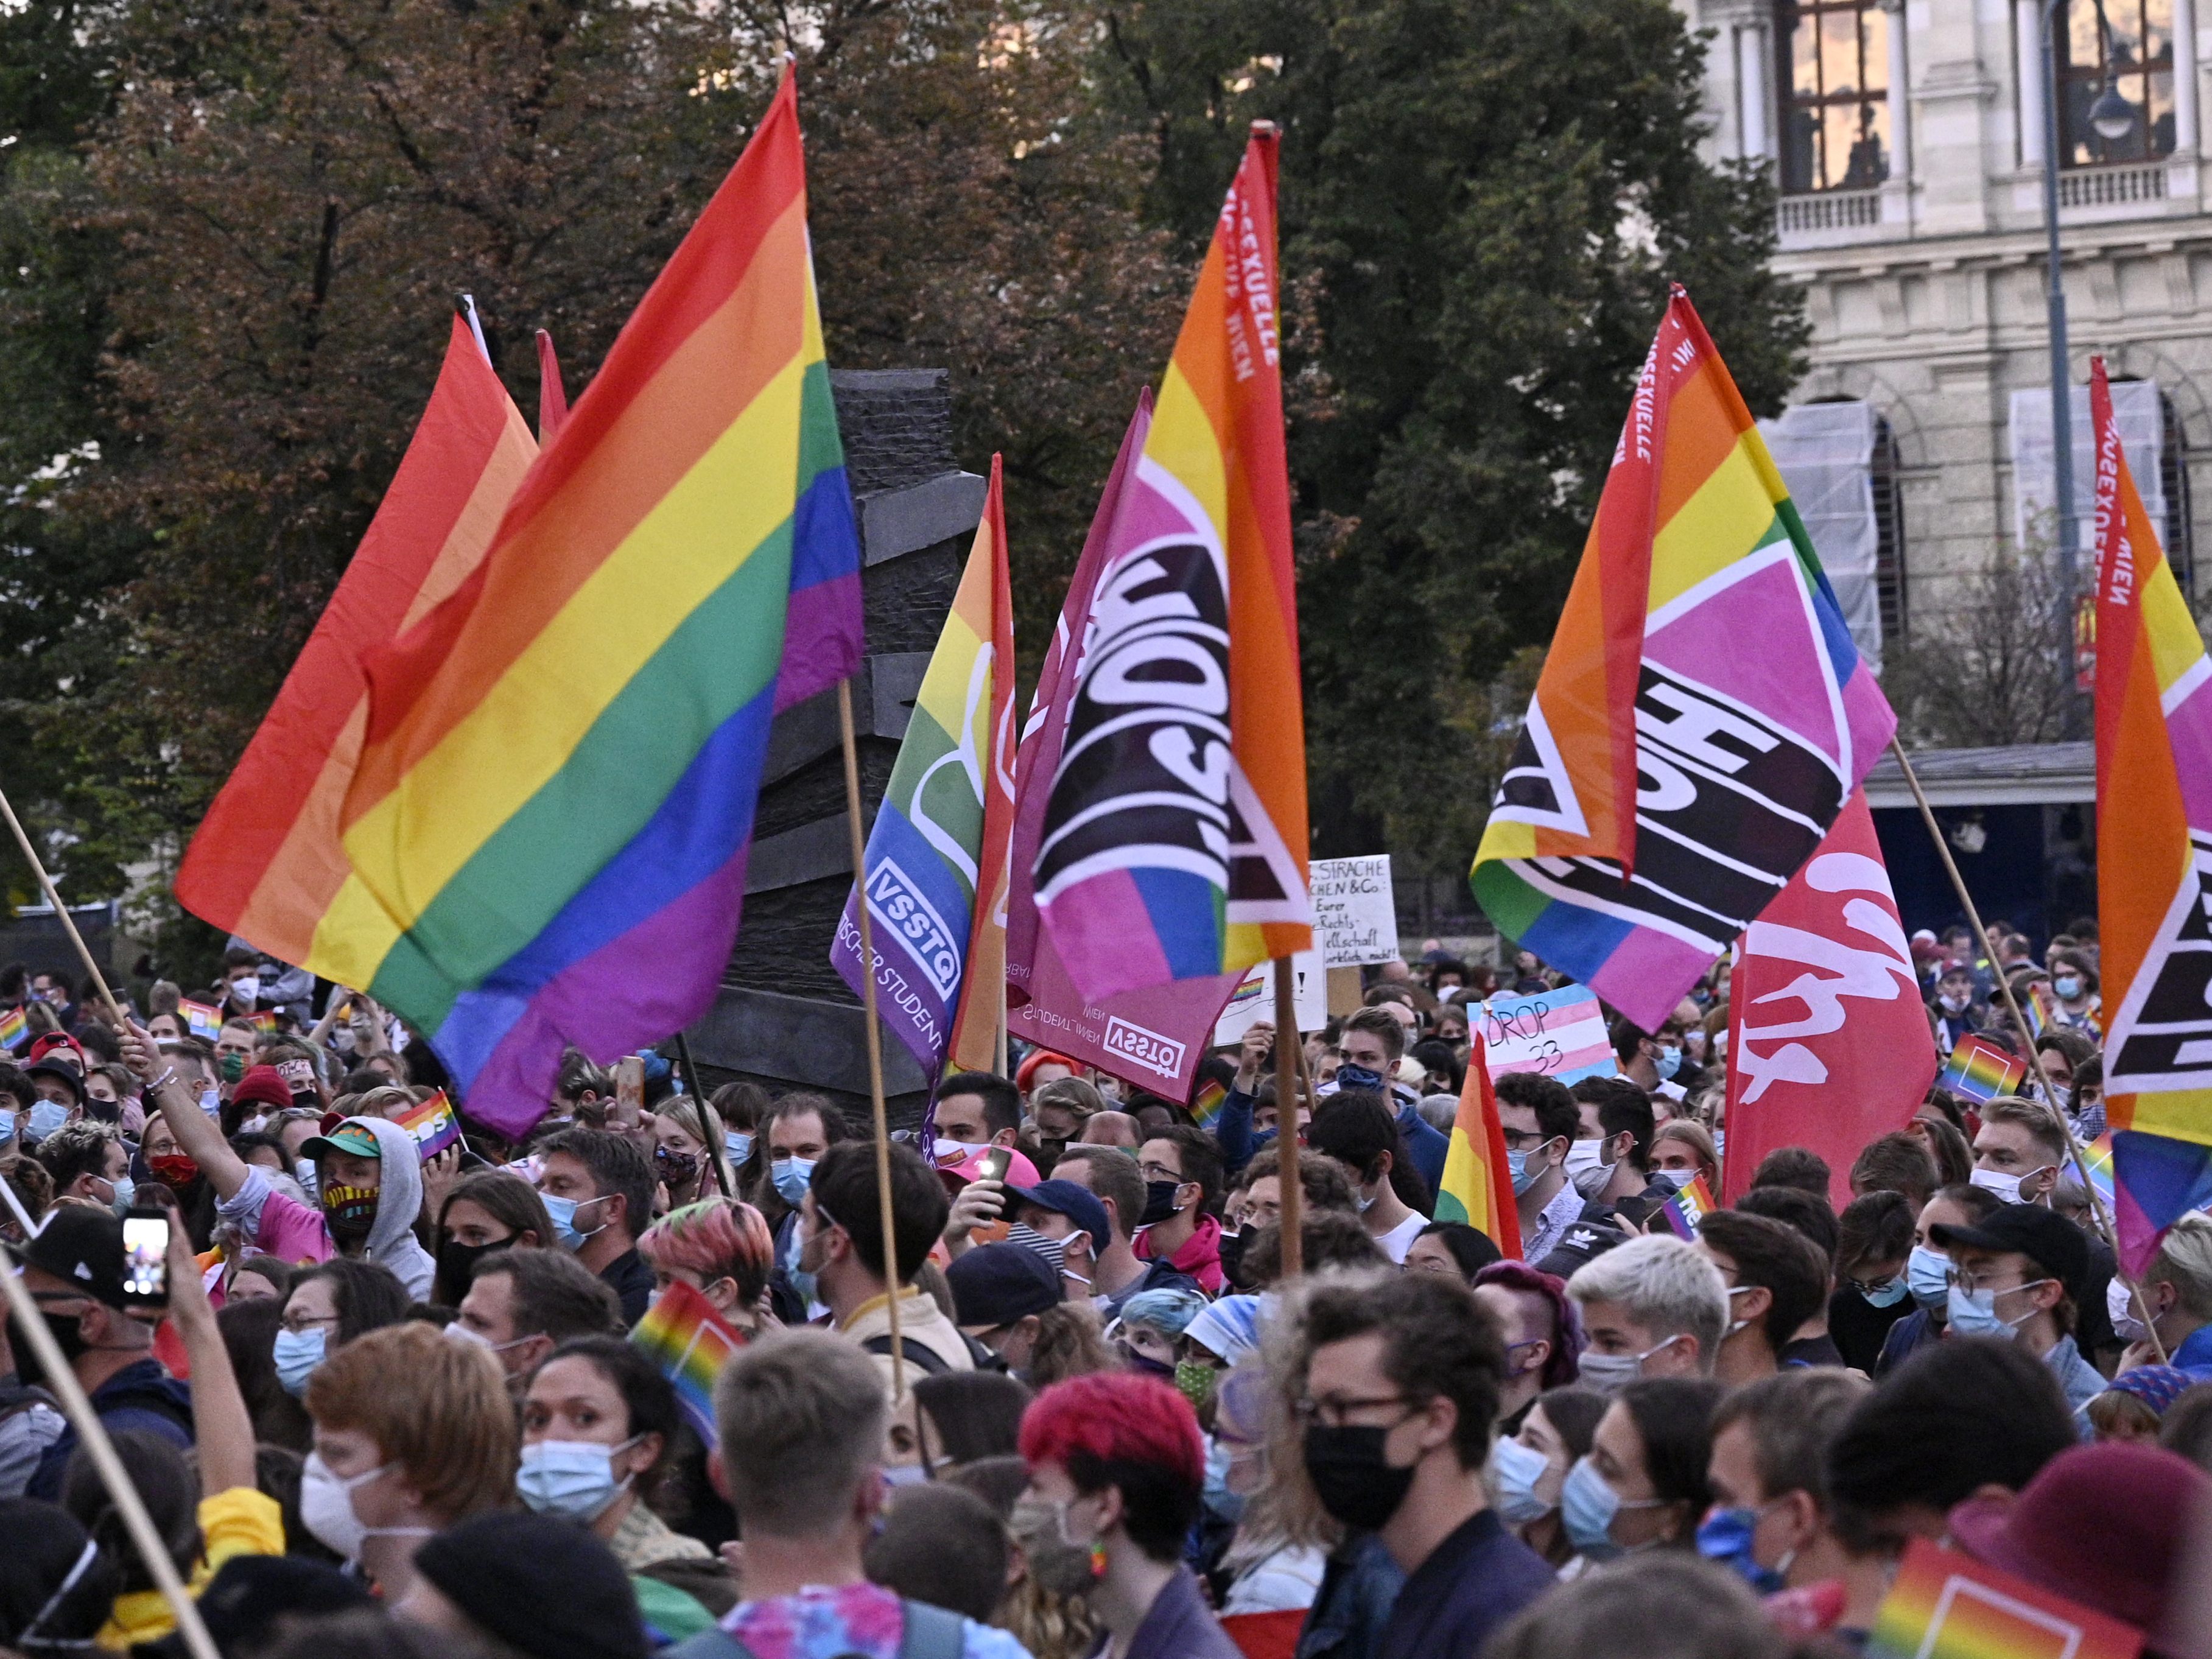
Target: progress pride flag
x,y
1828,1043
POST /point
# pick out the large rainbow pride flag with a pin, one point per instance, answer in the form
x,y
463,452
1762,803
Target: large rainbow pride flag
x,y
935,870
555,794
2154,861
1477,1184
1669,782
1174,844
267,862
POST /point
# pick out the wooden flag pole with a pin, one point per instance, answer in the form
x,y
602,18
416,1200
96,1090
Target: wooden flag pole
x,y
875,1036
2073,1147
1292,1222
69,923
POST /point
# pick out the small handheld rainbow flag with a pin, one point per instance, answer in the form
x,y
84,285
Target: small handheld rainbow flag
x,y
432,1124
264,1022
1944,1605
683,1335
2098,1155
15,1028
1979,1070
200,1020
1206,1104
1687,1208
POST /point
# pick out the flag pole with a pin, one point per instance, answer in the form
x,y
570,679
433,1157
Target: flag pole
x,y
1292,1221
2080,1158
61,910
875,1036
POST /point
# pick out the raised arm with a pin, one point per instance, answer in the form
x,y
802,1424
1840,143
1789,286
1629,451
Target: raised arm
x,y
197,1133
223,1429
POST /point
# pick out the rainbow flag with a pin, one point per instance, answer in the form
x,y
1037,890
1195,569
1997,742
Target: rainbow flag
x,y
936,866
1977,1069
555,791
267,861
1478,1186
432,1124
200,1020
1174,837
1748,755
1689,1206
1944,1605
14,1029
1206,1104
683,1335
263,1023
2153,859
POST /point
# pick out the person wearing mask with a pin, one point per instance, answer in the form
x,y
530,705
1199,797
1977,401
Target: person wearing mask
x,y
2074,983
2176,1290
1182,1173
690,1151
2019,1150
1117,1272
1650,1062
522,1304
1873,1292
1151,1329
1401,1378
1117,1471
1610,1159
2018,1274
88,1164
531,1585
1957,1012
720,1247
841,1257
1059,1110
1051,1216
801,1415
368,1181
975,1111
1373,1043
1928,1272
598,1190
1543,1335
412,1434
1644,1484
59,1098
74,1270
1652,1307
1542,1123
797,1130
1776,1279
598,1422
490,1210
1772,1520
327,1307
1000,1295
1357,1129
1682,1152
1529,1469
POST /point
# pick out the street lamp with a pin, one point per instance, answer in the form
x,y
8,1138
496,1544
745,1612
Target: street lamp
x,y
2112,116
2062,410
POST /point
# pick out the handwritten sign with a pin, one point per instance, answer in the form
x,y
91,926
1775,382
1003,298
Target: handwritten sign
x,y
1558,1033
1355,912
1254,999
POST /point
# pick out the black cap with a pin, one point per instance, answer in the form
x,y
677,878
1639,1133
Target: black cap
x,y
1579,1246
2044,1236
54,1068
545,1586
81,1246
994,1285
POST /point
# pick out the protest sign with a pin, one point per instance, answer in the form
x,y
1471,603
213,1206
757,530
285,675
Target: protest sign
x,y
1254,999
1355,914
1560,1033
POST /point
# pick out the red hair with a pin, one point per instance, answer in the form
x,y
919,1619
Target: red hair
x,y
1028,1068
1109,1418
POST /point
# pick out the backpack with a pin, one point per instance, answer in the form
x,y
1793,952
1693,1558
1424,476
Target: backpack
x,y
929,1632
927,1360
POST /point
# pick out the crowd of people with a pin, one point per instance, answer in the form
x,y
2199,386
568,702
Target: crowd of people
x,y
1072,1404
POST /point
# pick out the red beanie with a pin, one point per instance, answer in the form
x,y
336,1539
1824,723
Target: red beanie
x,y
262,1084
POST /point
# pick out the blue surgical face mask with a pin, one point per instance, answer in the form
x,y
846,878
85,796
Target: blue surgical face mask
x,y
1588,1506
575,1478
739,1145
2068,985
297,1353
1668,1063
791,1176
801,1281
126,1190
1523,1176
1974,1313
1892,1292
7,1127
1349,1076
562,1211
1518,1468
46,1116
1725,1536
1927,1276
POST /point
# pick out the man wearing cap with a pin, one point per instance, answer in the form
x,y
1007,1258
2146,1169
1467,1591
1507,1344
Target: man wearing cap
x,y
999,1291
74,1270
370,1176
1115,1271
263,1086
1052,1215
60,1090
2019,1273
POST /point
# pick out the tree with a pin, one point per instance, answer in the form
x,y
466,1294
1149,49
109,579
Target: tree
x,y
1993,666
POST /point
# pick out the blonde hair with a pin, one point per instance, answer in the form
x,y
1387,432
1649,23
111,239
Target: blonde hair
x,y
1070,1342
2185,1262
440,1410
2041,1121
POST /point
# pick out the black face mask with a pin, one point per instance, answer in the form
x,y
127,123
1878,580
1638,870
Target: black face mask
x,y
1232,1259
1049,1147
1350,1477
1159,1202
69,1336
457,1263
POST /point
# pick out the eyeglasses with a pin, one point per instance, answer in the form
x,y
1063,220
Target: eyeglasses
x,y
1159,1172
1971,1280
296,1326
1331,1413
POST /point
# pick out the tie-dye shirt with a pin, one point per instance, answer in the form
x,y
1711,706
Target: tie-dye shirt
x,y
821,1623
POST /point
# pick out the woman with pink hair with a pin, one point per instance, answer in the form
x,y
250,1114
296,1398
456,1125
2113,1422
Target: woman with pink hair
x,y
721,1248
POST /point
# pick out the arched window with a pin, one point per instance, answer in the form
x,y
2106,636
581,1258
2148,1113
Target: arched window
x,y
1833,65
2127,45
1889,531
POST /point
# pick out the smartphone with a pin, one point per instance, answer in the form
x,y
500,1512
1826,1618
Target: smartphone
x,y
145,1259
993,1164
629,1087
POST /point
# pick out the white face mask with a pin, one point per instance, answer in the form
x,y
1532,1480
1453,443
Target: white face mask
x,y
2006,1187
326,1505
2120,1304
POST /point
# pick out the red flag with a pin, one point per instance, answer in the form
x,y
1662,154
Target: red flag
x,y
552,396
1828,1044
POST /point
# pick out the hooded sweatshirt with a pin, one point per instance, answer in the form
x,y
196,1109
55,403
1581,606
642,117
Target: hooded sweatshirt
x,y
282,1226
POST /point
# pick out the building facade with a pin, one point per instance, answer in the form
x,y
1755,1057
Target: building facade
x,y
1906,136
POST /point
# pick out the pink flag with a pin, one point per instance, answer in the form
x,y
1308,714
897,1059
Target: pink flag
x,y
1828,1044
1153,1037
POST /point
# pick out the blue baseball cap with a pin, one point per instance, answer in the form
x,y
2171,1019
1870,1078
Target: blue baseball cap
x,y
1075,1201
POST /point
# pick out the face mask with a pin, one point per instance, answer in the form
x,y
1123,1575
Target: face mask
x,y
174,1171
457,1263
350,1211
326,1506
46,1118
573,1477
1054,1250
211,1100
1609,1373
1056,1562
1147,1365
68,1332
1927,1276
297,1353
1582,1156
1517,1468
1674,1179
1668,1063
791,1176
1974,1313
1351,1476
2068,985
233,1068
801,1279
2006,1187
1952,1004
1349,1076
1892,1292
126,1190
1523,1176
307,1175
1195,1381
906,1474
1159,1202
246,991
739,1145
7,1127
2120,1305
562,1213
956,1152
1720,1142
1589,1505
675,1168
103,1111
1725,1536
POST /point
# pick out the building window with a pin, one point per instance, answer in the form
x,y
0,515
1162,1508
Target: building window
x,y
2174,482
1834,68
2127,45
1889,531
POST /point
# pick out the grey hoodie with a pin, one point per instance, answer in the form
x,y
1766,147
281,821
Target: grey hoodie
x,y
392,1239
